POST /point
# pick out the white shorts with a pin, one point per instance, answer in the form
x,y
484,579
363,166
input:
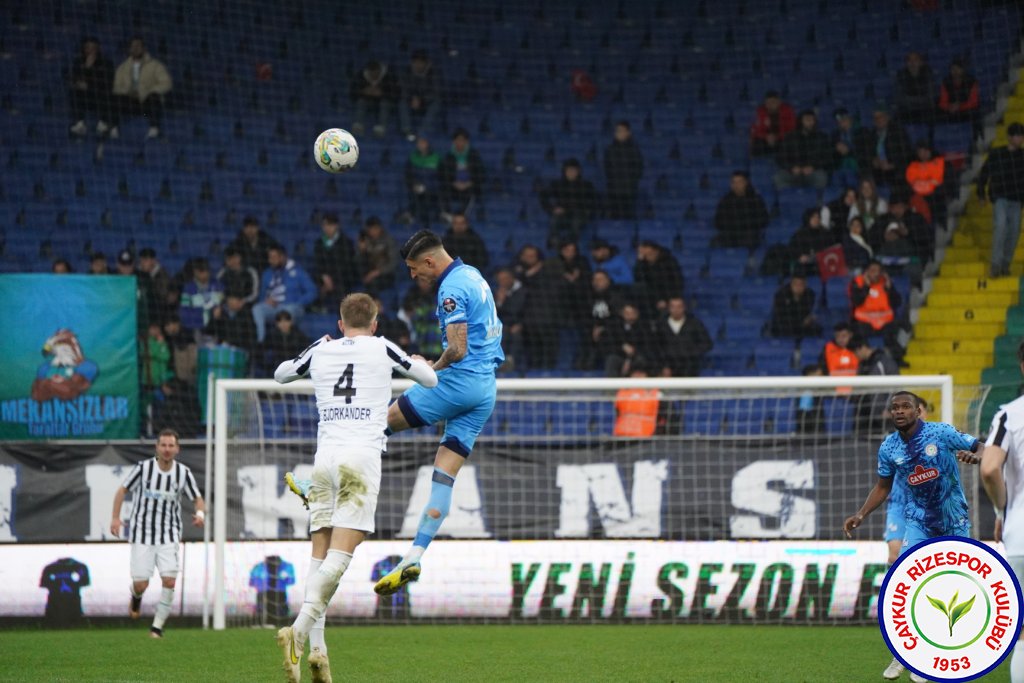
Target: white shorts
x,y
163,557
1016,563
345,486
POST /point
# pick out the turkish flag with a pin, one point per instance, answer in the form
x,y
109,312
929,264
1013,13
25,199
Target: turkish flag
x,y
832,262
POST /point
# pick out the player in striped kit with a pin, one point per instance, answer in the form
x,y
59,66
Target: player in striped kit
x,y
352,383
154,528
1002,474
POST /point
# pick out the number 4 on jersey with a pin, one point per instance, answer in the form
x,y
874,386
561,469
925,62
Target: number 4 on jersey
x,y
344,385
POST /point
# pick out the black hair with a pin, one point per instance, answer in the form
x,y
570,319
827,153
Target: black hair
x,y
422,241
277,246
741,173
460,133
147,252
250,220
625,124
572,161
330,218
918,401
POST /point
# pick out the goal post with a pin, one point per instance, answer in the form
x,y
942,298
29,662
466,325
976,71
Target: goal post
x,y
732,458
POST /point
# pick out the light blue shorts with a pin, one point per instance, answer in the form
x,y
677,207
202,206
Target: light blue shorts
x,y
895,525
464,400
916,535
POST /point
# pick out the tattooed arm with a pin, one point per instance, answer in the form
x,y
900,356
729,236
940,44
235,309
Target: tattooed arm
x,y
455,334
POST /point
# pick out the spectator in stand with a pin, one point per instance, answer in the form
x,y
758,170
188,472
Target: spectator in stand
x,y
570,201
335,269
1001,181
741,216
126,266
462,241
884,149
836,214
154,367
806,242
909,225
810,414
378,255
681,340
461,176
231,323
637,411
838,358
284,286
158,282
541,312
628,341
421,181
391,328
98,264
238,279
914,91
61,266
253,243
928,176
92,79
510,302
419,312
874,302
873,361
199,296
657,275
773,121
869,205
421,96
793,310
604,298
284,341
140,84
623,169
845,170
856,248
183,349
605,256
804,156
573,274
897,253
374,86
959,98
873,409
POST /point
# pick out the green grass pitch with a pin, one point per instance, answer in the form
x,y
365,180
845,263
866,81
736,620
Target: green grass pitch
x,y
462,653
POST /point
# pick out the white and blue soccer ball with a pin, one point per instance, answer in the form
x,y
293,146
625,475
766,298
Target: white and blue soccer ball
x,y
336,151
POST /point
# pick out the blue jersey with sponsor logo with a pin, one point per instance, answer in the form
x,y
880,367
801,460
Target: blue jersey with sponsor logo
x,y
926,467
463,296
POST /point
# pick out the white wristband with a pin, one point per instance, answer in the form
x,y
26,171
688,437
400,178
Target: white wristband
x,y
200,514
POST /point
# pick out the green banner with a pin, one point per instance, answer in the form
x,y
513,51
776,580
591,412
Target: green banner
x,y
70,349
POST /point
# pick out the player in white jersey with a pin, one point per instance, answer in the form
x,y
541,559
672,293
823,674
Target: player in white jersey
x,y
352,382
1002,475
154,528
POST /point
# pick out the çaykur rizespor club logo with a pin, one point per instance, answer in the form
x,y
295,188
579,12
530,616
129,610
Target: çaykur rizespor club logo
x,y
66,373
949,609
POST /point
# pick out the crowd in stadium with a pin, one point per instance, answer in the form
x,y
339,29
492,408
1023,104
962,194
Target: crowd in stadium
x,y
575,290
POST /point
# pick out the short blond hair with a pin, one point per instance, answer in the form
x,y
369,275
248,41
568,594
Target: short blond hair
x,y
358,310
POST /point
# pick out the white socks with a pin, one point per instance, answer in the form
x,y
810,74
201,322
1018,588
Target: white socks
x,y
163,609
319,590
316,634
1017,663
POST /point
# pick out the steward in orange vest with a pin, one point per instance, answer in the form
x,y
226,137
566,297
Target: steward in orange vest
x,y
636,410
873,299
838,358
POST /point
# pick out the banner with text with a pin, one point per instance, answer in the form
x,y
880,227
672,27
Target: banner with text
x,y
69,350
555,581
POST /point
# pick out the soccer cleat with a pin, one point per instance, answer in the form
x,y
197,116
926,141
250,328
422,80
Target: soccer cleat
x,y
914,678
319,666
156,633
393,581
300,487
135,607
893,671
292,657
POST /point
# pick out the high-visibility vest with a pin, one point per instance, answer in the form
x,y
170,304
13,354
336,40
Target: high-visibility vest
x,y
926,176
875,311
636,412
840,361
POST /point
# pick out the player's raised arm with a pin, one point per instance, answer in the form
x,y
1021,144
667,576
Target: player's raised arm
x,y
415,369
876,497
297,367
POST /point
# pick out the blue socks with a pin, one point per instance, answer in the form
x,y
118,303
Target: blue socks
x,y
441,501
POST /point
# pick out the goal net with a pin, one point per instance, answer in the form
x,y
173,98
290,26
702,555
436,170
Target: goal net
x,y
607,526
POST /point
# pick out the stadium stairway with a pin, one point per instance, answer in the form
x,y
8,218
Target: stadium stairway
x,y
971,324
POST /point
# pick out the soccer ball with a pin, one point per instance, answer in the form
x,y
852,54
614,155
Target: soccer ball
x,y
336,151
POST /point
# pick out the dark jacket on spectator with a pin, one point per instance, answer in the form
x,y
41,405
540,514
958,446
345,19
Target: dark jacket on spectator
x,y
278,348
577,197
244,283
254,255
897,147
805,148
682,351
740,221
388,84
336,259
790,311
1002,175
623,167
446,172
468,246
99,78
659,280
238,330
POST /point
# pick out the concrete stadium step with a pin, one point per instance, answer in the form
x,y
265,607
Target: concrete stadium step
x,y
989,299
958,331
962,315
968,254
964,361
945,347
972,285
